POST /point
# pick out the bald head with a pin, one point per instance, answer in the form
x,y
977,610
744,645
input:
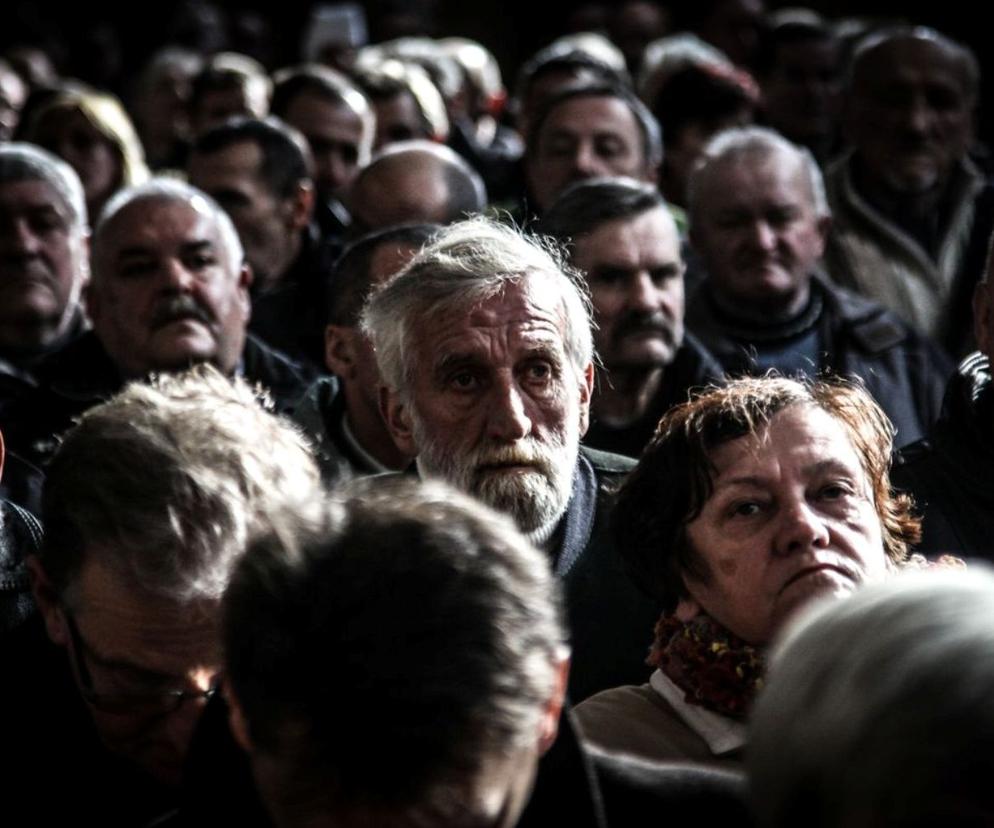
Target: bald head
x,y
414,182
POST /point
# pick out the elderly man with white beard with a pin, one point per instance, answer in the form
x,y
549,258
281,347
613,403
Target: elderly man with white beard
x,y
486,355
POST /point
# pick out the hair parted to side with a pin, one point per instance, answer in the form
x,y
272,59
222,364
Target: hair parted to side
x,y
168,190
674,477
466,264
385,652
751,144
26,162
167,482
898,675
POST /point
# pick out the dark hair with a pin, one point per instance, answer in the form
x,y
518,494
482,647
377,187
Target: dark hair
x,y
585,205
349,284
285,158
652,146
319,81
674,477
383,650
701,94
559,58
788,27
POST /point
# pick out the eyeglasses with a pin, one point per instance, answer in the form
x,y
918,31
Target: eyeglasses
x,y
145,704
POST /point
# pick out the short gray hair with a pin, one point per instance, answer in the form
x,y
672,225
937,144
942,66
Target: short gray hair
x,y
466,264
169,190
753,142
899,676
408,615
168,481
26,162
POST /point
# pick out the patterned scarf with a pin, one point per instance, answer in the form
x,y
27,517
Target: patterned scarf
x,y
714,668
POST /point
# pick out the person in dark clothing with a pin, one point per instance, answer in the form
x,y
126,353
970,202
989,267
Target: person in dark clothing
x,y
43,261
623,240
260,173
950,473
20,536
439,733
341,414
149,502
486,360
169,290
758,220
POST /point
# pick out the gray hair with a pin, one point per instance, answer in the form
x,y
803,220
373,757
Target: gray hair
x,y
167,482
754,142
407,615
26,162
466,264
169,190
879,709
954,49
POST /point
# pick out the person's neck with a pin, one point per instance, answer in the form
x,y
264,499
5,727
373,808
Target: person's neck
x,y
370,432
777,310
25,340
624,394
902,207
277,276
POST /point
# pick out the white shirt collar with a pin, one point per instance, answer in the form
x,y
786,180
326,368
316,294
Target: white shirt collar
x,y
722,734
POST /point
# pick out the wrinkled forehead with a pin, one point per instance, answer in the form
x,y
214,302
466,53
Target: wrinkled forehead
x,y
158,221
905,58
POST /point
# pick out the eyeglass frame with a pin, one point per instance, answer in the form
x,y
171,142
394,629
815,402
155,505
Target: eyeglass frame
x,y
171,700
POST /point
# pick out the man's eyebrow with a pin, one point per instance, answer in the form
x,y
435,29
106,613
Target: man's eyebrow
x,y
829,466
139,250
741,480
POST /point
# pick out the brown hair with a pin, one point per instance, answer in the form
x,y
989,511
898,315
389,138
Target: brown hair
x,y
675,475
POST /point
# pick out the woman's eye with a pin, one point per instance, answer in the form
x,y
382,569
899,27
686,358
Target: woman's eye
x,y
747,509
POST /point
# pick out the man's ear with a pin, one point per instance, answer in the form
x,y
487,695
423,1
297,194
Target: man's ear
x,y
549,726
48,601
824,226
339,354
245,279
586,392
397,416
982,318
301,206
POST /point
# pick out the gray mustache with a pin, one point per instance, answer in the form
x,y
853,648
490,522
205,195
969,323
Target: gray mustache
x,y
180,307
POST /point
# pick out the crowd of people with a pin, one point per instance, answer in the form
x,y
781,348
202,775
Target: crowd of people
x,y
383,449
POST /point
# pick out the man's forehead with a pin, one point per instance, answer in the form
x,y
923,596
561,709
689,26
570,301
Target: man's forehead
x,y
613,116
910,59
29,194
155,221
769,170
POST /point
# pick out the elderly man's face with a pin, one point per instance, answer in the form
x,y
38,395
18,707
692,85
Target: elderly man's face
x,y
166,293
43,264
909,116
581,138
791,518
635,274
497,407
756,227
131,651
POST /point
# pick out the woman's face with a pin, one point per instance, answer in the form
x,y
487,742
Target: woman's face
x,y
791,519
94,158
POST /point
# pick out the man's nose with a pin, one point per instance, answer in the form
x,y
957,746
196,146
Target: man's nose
x,y
801,528
20,238
762,235
918,116
177,275
586,164
508,418
643,295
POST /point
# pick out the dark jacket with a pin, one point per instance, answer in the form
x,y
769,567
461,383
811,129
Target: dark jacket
x,y
83,375
20,536
320,414
292,316
55,762
905,373
575,786
950,473
692,367
610,619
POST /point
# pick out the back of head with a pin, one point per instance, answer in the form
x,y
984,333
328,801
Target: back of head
x,y
390,657
879,710
168,481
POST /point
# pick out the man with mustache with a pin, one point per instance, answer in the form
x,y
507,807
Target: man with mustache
x,y
758,220
169,289
485,352
623,239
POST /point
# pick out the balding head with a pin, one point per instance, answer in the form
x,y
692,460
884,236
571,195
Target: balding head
x,y
415,181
